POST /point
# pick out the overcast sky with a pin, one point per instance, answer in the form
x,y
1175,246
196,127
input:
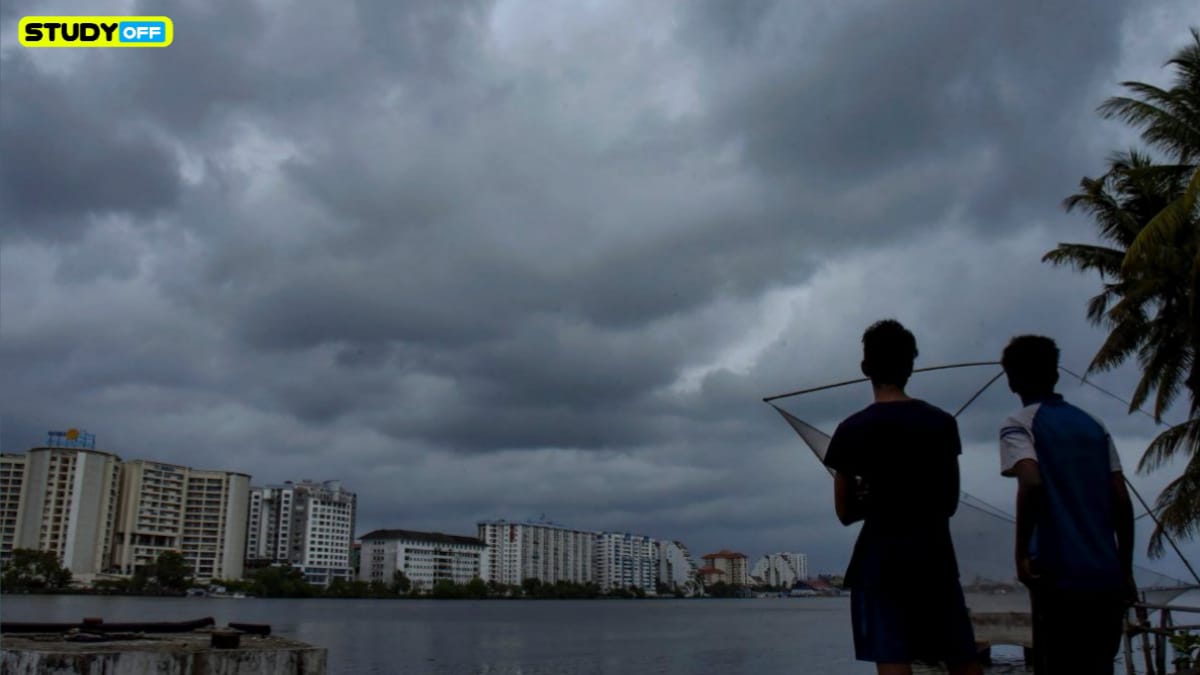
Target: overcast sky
x,y
505,259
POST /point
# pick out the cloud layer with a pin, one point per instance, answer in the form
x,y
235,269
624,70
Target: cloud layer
x,y
506,259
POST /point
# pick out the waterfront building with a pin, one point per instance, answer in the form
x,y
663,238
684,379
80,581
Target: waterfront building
x,y
711,575
307,525
676,569
624,560
67,502
424,557
536,550
731,564
781,569
12,477
168,507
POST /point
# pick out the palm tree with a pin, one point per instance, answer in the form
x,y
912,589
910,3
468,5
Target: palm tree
x,y
1148,215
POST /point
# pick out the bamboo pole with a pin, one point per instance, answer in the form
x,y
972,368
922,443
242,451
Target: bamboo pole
x,y
1164,622
1128,647
1143,619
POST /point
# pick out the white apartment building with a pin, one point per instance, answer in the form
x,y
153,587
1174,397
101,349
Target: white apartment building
x,y
536,550
781,569
67,504
168,507
424,557
676,569
307,525
12,476
623,560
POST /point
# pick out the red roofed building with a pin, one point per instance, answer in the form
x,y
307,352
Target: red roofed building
x,y
710,575
731,564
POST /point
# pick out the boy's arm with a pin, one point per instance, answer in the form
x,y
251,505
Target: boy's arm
x,y
840,457
1029,511
952,488
1123,521
952,479
1018,459
845,499
1122,515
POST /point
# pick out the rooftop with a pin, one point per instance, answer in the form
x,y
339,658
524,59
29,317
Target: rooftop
x,y
430,537
725,554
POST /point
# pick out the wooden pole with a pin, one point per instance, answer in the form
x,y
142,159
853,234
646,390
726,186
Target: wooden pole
x,y
1128,647
1143,619
1160,640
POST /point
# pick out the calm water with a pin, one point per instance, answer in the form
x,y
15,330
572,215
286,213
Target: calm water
x,y
675,637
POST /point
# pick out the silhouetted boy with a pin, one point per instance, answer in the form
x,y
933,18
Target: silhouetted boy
x,y
1074,548
897,471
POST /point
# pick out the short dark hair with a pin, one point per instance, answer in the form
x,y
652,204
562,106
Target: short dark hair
x,y
889,350
1031,362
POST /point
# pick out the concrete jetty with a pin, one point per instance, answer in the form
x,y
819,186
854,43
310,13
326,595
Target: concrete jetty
x,y
207,651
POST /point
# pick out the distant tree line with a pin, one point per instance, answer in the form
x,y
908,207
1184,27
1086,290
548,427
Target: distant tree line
x,y
31,571
288,582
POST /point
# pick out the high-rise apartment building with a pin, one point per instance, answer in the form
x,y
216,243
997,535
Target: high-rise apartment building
x,y
781,569
67,503
424,557
730,564
167,507
676,569
623,560
12,477
536,550
307,525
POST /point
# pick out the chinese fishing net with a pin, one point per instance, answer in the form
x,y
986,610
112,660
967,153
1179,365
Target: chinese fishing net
x,y
983,533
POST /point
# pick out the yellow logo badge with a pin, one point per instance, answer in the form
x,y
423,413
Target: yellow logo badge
x,y
96,31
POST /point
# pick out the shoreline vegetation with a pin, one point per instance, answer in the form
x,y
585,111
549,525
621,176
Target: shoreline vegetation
x,y
271,588
39,573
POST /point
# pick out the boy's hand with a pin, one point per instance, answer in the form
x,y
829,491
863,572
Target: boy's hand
x,y
1027,573
1131,591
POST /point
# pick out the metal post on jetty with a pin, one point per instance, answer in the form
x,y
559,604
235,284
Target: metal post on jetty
x,y
198,647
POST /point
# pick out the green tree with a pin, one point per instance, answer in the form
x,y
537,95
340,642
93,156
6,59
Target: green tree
x,y
1147,211
400,583
721,590
476,588
340,588
172,572
284,581
531,587
445,589
140,580
30,569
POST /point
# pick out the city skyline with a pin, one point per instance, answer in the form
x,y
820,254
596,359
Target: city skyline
x,y
133,510
256,488
531,258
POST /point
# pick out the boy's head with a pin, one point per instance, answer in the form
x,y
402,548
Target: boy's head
x,y
889,350
1031,363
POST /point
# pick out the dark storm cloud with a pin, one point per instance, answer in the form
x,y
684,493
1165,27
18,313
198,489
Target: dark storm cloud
x,y
438,250
69,159
847,98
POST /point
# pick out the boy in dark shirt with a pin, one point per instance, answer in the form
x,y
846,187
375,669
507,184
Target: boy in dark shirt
x,y
896,465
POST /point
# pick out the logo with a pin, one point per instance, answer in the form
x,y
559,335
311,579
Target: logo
x,y
96,31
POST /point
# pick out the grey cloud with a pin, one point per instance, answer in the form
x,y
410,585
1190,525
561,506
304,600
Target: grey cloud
x,y
67,164
852,99
397,253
